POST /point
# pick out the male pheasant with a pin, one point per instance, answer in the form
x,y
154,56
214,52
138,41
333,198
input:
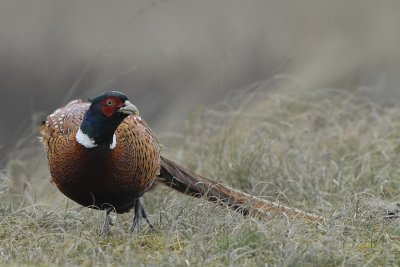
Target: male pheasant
x,y
102,155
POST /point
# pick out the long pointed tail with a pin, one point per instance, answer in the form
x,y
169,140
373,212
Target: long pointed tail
x,y
190,183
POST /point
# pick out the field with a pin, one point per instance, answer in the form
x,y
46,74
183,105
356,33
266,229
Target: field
x,y
329,152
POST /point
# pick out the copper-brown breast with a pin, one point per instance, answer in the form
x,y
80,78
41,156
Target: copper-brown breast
x,y
99,175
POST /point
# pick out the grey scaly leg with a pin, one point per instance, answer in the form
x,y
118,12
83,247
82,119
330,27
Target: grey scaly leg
x,y
105,228
140,213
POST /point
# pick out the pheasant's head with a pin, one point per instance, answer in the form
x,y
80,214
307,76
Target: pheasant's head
x,y
102,118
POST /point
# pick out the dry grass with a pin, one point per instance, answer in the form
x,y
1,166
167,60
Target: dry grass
x,y
324,151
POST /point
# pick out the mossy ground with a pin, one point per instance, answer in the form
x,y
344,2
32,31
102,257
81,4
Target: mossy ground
x,y
326,151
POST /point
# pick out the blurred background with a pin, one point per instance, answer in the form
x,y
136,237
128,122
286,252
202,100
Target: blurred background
x,y
173,56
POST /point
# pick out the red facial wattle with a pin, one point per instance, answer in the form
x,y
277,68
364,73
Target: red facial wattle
x,y
110,105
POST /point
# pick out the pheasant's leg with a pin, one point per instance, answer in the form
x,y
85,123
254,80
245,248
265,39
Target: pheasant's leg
x,y
144,214
137,219
140,213
105,228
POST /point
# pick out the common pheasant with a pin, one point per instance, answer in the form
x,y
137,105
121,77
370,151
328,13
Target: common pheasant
x,y
102,155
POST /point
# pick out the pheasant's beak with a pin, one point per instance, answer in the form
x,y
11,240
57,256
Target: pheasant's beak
x,y
129,108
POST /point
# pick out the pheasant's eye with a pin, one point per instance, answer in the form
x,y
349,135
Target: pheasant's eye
x,y
109,102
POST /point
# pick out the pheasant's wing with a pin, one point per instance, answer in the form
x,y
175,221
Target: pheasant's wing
x,y
64,122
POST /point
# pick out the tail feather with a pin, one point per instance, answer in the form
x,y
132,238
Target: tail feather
x,y
190,183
